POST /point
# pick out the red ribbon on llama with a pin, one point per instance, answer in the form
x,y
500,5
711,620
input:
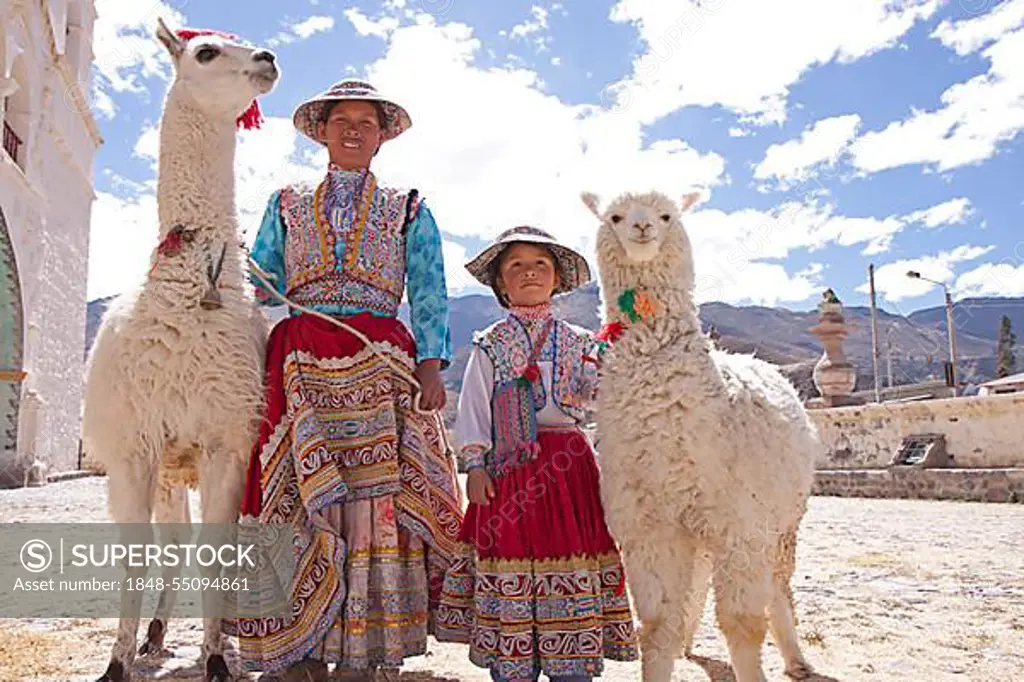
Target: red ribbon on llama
x,y
251,117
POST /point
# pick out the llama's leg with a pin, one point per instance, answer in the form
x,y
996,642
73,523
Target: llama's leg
x,y
221,481
742,580
172,517
782,616
130,497
657,573
700,581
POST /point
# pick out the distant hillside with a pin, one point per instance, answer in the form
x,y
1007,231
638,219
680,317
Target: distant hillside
x,y
778,335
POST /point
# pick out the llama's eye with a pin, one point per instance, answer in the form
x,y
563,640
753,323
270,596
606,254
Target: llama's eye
x,y
665,217
206,54
616,219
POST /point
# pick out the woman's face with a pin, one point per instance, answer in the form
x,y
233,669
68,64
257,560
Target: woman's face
x,y
352,134
527,275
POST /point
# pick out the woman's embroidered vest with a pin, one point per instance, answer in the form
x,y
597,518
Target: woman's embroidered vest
x,y
515,401
368,220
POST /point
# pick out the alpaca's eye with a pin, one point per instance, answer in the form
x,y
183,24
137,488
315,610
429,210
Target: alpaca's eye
x,y
206,54
665,217
616,219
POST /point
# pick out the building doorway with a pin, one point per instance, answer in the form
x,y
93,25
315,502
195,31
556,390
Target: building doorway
x,y
11,339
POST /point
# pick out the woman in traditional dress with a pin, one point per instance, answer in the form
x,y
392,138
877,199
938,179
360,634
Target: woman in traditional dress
x,y
539,585
344,455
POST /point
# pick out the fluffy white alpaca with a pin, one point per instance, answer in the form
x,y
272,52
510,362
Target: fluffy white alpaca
x,y
174,380
706,457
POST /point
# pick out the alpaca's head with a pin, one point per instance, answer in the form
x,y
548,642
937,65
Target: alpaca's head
x,y
219,76
644,233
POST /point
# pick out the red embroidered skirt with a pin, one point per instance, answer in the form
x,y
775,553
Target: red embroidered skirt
x,y
342,441
539,584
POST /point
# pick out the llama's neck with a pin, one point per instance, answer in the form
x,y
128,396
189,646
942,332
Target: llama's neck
x,y
196,185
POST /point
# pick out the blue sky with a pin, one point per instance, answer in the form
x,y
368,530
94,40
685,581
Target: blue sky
x,y
824,135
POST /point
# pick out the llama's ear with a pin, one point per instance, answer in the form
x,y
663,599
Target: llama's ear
x,y
688,201
173,43
591,201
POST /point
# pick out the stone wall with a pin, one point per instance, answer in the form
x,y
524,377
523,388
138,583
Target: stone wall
x,y
975,485
981,431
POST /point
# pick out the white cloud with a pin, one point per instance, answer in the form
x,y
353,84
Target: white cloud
x,y
122,235
891,279
126,49
819,145
365,26
538,23
976,117
739,132
992,279
745,54
970,35
313,25
534,29
950,212
300,30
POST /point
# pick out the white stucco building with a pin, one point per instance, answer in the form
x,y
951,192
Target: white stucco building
x,y
49,142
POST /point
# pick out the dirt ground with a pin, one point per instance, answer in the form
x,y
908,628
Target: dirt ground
x,y
885,589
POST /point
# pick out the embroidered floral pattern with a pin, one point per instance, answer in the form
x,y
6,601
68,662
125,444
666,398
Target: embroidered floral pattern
x,y
367,219
506,344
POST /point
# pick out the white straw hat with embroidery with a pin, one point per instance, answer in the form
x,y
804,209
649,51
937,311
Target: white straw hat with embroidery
x,y
311,113
573,270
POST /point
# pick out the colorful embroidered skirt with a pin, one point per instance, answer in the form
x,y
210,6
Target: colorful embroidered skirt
x,y
368,484
539,584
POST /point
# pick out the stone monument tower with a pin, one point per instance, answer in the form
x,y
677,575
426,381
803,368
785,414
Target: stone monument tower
x,y
834,376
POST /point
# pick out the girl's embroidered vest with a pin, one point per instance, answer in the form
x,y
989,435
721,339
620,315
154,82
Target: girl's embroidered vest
x,y
369,222
516,401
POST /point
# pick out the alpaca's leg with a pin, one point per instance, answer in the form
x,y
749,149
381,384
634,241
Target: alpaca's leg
x,y
782,616
130,489
653,570
221,481
742,593
172,517
700,581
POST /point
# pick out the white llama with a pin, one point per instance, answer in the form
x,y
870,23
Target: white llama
x,y
706,457
174,380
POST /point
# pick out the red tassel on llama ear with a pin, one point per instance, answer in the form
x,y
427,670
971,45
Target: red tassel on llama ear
x,y
250,118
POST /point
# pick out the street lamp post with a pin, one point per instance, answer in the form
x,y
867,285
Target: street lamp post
x,y
950,329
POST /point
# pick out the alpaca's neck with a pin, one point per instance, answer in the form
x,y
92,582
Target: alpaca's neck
x,y
196,184
676,309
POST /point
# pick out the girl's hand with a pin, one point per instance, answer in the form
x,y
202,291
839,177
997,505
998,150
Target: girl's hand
x,y
433,395
479,486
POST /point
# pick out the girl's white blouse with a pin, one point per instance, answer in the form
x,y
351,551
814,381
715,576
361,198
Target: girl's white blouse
x,y
473,420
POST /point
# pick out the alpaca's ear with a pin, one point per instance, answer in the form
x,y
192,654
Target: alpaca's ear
x,y
591,201
173,43
688,201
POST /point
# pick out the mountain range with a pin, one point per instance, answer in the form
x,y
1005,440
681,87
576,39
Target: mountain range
x,y
918,341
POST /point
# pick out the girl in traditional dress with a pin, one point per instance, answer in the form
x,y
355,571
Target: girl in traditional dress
x,y
539,584
344,455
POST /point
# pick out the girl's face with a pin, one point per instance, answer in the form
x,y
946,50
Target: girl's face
x,y
527,275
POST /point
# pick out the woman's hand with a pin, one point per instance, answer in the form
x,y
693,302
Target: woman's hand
x,y
479,486
432,392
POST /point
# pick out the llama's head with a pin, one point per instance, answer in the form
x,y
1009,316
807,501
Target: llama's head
x,y
219,75
636,229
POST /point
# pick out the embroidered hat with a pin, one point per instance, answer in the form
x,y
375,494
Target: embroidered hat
x,y
310,113
573,270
